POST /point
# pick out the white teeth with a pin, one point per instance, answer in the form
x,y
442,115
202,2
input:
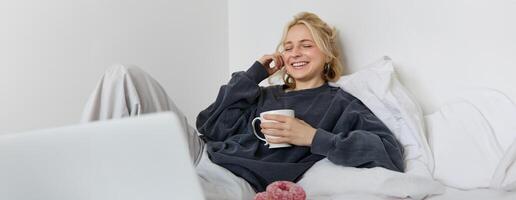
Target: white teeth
x,y
298,64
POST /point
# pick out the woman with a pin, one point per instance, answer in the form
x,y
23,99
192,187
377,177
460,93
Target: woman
x,y
230,161
329,122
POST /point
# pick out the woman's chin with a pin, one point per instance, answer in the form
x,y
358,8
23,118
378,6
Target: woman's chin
x,y
296,73
299,75
300,78
296,76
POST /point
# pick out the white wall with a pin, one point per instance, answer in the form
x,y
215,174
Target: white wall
x,y
440,47
52,53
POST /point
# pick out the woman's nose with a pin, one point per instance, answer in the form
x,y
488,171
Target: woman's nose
x,y
296,52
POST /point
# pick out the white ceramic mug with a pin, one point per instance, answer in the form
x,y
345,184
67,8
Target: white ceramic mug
x,y
286,112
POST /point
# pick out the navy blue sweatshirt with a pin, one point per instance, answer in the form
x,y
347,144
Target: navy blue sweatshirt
x,y
348,133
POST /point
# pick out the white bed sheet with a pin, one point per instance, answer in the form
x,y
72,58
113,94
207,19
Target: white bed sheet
x,y
449,194
477,194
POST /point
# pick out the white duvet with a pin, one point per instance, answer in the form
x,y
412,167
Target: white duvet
x,y
326,180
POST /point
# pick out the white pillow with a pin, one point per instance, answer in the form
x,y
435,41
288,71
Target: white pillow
x,y
378,87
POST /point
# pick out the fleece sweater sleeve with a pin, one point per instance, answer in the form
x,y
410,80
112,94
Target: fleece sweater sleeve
x,y
359,139
229,113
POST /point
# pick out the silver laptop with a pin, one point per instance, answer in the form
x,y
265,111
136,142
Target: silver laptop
x,y
143,158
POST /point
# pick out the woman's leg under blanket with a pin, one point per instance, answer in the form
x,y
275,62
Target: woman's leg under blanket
x,y
127,91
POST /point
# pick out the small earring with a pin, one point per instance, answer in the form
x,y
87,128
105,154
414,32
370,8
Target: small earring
x,y
288,78
327,70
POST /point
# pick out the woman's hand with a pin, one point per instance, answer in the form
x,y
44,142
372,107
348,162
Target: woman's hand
x,y
267,59
288,130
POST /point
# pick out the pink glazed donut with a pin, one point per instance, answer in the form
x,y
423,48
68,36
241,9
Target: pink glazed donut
x,y
282,190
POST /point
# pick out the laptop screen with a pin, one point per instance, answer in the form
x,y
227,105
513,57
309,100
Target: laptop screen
x,y
131,158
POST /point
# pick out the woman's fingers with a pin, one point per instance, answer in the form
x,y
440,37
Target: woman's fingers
x,y
288,129
265,60
276,136
272,132
272,62
276,128
276,140
278,60
278,118
269,125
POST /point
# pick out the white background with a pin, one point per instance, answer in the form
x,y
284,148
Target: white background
x,y
439,47
53,52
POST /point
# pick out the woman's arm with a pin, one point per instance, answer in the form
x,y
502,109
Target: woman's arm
x,y
230,111
361,140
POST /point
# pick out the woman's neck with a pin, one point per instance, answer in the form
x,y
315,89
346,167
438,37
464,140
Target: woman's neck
x,y
303,85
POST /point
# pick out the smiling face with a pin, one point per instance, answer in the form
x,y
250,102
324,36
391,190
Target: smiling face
x,y
304,61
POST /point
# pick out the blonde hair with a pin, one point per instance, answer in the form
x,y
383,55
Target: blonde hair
x,y
325,39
